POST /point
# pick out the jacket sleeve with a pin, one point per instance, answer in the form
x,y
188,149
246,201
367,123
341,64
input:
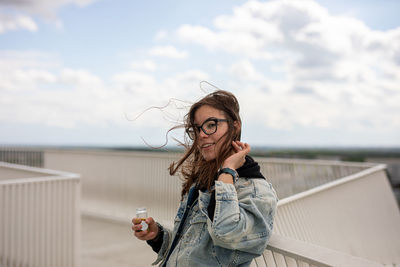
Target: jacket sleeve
x,y
161,246
156,243
244,214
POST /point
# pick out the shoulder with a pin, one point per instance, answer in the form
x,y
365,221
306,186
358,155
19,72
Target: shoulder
x,y
255,187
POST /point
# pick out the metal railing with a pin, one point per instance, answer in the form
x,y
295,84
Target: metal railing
x,y
40,217
293,176
114,183
340,206
22,155
286,252
357,215
322,202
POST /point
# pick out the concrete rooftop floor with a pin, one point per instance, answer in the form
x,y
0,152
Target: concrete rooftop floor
x,y
106,243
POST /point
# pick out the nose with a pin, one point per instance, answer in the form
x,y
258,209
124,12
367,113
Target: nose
x,y
202,134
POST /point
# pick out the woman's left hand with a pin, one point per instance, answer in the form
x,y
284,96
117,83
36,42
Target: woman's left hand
x,y
237,159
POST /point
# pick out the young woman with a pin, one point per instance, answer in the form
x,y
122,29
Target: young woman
x,y
226,214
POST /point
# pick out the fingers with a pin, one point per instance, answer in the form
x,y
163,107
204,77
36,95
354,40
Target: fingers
x,y
150,221
148,234
238,158
136,220
236,146
137,227
246,148
142,235
241,146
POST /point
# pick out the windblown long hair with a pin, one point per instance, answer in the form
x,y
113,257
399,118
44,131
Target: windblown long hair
x,y
193,167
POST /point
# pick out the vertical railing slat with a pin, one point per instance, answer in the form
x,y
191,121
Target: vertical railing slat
x,y
290,262
11,243
269,258
30,210
3,224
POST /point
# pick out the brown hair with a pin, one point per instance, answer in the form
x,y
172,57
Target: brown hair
x,y
193,167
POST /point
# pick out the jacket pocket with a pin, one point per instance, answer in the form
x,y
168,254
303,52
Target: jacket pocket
x,y
197,216
197,228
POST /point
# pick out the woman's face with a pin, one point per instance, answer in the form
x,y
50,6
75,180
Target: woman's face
x,y
209,145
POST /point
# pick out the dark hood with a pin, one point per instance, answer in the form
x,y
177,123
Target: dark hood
x,y
250,169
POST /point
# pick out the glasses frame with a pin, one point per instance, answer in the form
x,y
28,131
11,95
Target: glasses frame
x,y
197,128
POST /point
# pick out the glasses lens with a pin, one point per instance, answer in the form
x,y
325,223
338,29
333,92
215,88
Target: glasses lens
x,y
210,127
190,133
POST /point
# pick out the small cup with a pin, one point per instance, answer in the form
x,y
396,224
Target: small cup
x,y
141,213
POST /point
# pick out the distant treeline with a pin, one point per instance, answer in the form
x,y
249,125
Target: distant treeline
x,y
342,153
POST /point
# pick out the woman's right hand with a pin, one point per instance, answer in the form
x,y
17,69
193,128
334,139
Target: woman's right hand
x,y
148,234
238,158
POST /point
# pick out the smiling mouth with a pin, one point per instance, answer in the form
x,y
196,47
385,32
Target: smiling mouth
x,y
207,145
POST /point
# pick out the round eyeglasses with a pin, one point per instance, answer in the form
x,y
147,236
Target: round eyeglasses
x,y
208,127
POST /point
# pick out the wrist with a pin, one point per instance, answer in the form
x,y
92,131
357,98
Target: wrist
x,y
225,178
159,233
227,167
228,173
227,164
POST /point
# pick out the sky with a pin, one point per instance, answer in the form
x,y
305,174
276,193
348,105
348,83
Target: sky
x,y
309,73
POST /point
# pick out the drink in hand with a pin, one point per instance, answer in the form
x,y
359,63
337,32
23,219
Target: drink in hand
x,y
141,213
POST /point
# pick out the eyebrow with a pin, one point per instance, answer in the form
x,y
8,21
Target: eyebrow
x,y
210,118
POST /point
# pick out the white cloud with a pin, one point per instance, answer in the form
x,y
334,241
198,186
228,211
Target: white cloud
x,y
291,63
78,77
186,84
161,35
234,42
10,59
135,81
46,8
35,75
167,51
245,70
167,99
39,91
14,13
36,89
146,65
333,71
11,23
20,71
199,34
152,91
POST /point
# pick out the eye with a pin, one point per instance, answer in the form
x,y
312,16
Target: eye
x,y
211,125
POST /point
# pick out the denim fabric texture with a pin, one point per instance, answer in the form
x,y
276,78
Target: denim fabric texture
x,y
239,232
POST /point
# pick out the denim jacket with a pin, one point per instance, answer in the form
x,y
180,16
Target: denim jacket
x,y
238,232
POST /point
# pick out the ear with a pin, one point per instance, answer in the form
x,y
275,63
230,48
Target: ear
x,y
237,126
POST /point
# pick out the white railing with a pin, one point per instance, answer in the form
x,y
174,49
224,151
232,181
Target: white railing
x,y
40,217
21,155
293,176
115,183
286,252
357,214
342,206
